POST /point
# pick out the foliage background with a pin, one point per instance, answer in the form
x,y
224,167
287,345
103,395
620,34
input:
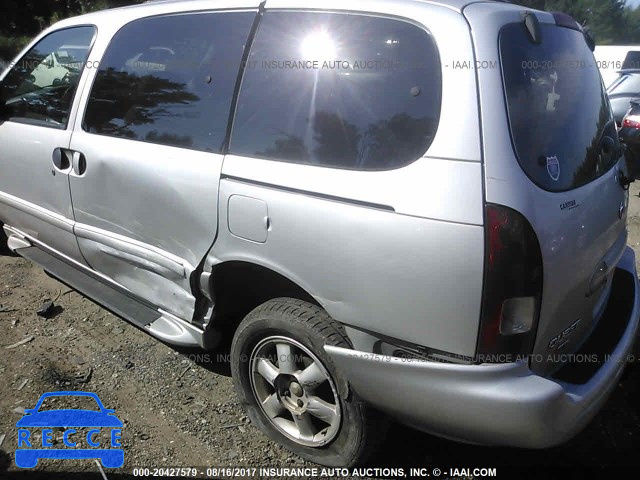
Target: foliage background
x,y
20,20
610,21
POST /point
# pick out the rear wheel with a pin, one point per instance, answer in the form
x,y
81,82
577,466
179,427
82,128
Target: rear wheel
x,y
291,390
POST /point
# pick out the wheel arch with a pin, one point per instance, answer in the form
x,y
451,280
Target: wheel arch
x,y
239,286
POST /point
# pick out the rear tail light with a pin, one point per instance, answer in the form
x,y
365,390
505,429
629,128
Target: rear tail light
x,y
512,287
631,121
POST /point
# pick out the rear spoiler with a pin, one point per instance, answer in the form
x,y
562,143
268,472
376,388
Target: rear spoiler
x,y
567,21
532,24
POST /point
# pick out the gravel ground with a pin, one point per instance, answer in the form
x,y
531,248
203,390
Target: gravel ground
x,y
179,408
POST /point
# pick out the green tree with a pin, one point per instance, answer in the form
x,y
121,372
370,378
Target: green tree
x,y
23,19
633,25
28,17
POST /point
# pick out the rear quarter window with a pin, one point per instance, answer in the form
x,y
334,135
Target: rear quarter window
x,y
338,90
559,115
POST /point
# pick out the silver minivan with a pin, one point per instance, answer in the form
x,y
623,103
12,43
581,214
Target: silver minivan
x,y
416,208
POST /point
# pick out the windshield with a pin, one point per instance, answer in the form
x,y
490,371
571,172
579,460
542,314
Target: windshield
x,y
559,113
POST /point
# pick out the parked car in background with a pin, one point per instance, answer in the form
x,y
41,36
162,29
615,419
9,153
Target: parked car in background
x,y
629,133
623,89
610,59
290,176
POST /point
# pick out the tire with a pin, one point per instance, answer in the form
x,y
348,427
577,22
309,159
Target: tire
x,y
313,414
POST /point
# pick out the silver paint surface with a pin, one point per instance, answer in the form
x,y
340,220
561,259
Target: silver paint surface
x,y
499,404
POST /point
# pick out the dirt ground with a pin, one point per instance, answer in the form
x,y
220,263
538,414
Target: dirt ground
x,y
179,407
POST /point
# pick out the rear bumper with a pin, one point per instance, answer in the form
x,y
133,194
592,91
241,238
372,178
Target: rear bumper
x,y
503,404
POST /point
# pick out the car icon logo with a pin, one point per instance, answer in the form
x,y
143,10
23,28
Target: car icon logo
x,y
88,434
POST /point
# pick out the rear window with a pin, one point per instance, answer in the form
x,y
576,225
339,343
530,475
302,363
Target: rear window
x,y
559,114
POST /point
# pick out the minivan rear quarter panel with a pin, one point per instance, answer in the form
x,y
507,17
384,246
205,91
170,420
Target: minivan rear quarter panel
x,y
369,268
